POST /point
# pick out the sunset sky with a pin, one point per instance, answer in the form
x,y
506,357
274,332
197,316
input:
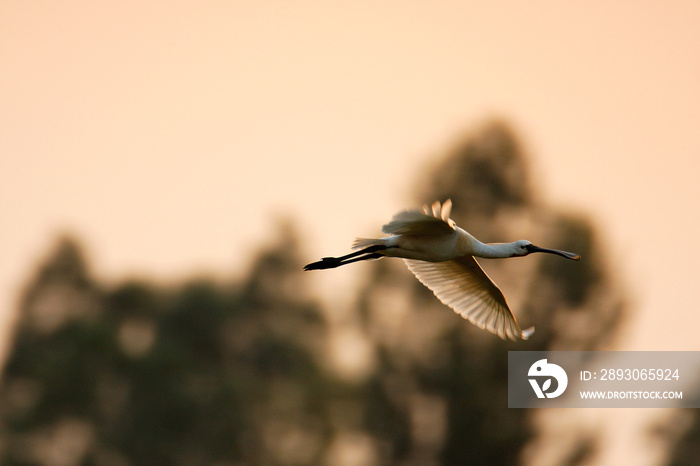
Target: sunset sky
x,y
169,135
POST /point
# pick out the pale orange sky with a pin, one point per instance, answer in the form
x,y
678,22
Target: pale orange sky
x,y
167,135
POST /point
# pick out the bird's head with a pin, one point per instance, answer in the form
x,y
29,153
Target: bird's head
x,y
524,247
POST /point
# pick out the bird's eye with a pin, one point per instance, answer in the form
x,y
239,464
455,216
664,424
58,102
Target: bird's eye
x,y
524,246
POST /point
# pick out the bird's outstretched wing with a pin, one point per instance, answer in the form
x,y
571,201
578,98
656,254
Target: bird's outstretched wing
x,y
463,285
433,220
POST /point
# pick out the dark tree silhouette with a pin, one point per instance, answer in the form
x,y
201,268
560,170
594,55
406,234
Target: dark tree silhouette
x,y
235,371
191,374
458,370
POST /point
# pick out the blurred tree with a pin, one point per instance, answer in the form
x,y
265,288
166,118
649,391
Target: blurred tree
x,y
682,433
194,374
446,379
236,372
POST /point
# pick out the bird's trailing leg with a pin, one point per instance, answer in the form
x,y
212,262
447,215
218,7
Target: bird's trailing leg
x,y
361,255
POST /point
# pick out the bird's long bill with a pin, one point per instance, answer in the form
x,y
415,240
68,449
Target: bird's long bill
x,y
568,255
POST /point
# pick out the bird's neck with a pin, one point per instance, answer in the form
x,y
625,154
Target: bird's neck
x,y
469,245
491,251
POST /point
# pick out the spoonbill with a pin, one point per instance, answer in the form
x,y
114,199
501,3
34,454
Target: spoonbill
x,y
442,256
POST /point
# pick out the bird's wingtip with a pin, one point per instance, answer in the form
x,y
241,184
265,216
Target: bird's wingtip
x,y
527,333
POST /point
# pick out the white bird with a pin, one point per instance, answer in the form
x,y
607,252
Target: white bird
x,y
441,255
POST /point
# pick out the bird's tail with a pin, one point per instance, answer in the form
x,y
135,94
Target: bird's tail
x,y
361,243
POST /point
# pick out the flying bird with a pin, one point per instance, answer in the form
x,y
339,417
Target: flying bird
x,y
442,256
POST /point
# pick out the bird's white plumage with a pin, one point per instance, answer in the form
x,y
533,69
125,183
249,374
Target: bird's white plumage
x,y
459,283
462,285
431,221
441,255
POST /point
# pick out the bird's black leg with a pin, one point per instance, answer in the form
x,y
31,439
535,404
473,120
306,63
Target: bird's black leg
x,y
332,262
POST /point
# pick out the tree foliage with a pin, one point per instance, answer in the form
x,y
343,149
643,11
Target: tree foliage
x,y
236,372
461,368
